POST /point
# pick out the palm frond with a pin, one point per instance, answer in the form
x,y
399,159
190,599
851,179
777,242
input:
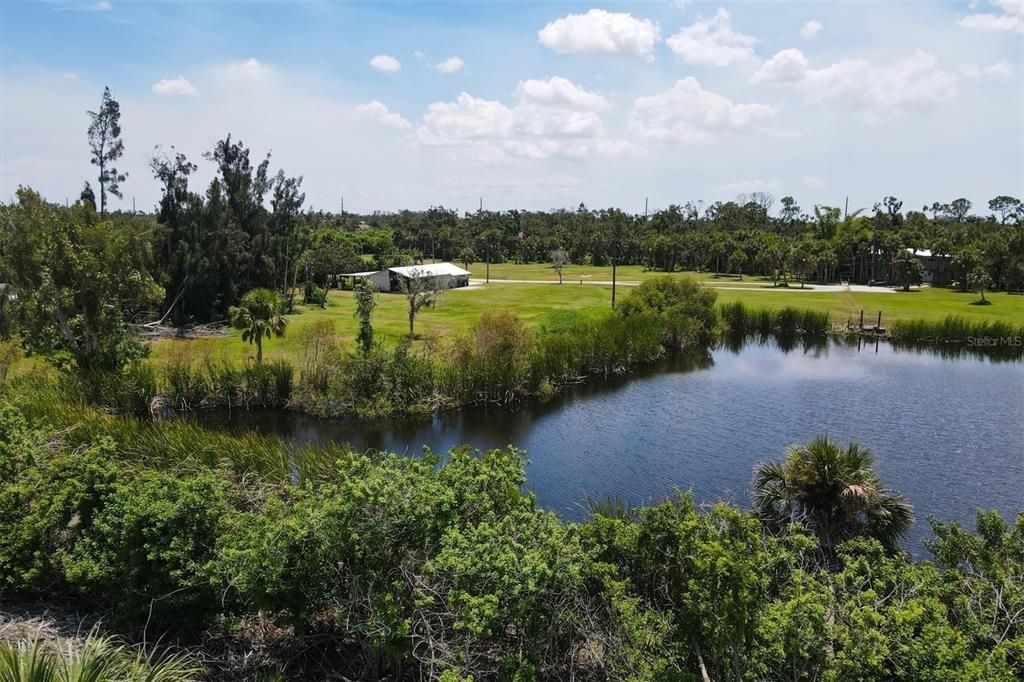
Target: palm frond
x,y
890,518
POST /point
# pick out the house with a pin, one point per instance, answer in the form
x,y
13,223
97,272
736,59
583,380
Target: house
x,y
443,276
937,269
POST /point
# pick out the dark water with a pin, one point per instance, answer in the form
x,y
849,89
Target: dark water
x,y
947,432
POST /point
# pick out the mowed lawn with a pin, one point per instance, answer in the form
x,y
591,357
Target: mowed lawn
x,y
544,272
455,313
925,304
538,304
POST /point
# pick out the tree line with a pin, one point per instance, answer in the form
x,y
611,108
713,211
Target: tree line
x,y
250,228
75,278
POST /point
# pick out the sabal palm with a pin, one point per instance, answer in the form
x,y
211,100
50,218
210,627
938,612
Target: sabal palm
x,y
259,315
834,492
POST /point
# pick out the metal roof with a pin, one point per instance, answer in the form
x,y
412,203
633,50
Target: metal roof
x,y
430,270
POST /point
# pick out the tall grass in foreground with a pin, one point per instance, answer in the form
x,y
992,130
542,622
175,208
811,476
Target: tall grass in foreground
x,y
742,320
96,659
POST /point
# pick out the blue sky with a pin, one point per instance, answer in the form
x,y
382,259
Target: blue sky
x,y
530,104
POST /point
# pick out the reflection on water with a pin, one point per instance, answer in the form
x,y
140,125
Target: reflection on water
x,y
947,432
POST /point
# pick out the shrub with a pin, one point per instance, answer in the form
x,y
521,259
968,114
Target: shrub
x,y
492,365
10,352
319,369
684,306
47,507
147,548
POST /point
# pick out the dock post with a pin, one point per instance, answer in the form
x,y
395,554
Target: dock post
x,y
878,327
862,320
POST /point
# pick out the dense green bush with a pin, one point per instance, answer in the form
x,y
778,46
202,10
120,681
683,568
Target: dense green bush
x,y
147,549
684,306
443,568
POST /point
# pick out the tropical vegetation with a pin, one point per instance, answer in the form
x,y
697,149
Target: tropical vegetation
x,y
379,566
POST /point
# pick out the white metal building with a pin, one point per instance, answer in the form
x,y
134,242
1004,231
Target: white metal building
x,y
445,276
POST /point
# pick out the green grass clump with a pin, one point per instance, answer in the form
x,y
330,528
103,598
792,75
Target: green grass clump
x,y
176,444
996,337
95,659
740,320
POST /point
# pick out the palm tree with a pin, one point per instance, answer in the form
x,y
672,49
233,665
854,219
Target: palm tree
x,y
259,316
833,492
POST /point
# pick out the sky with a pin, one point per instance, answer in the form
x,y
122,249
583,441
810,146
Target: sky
x,y
534,105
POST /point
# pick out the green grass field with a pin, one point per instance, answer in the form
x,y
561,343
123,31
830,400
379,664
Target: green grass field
x,y
539,303
573,274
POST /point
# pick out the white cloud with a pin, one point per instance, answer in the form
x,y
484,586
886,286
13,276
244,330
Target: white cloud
x,y
558,91
175,87
813,181
996,71
601,32
689,114
713,42
1010,18
378,111
747,186
811,29
249,71
70,75
419,55
386,63
451,65
553,117
785,66
467,118
879,91
66,6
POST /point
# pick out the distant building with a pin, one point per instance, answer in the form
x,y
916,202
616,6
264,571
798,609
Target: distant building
x,y
937,268
444,276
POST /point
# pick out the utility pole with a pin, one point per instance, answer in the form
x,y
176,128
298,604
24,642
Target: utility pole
x,y
133,205
846,211
645,208
481,209
342,207
613,282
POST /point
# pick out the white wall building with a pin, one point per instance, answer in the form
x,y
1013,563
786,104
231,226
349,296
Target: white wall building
x,y
444,276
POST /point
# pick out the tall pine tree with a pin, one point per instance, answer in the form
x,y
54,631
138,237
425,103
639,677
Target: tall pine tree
x,y
106,146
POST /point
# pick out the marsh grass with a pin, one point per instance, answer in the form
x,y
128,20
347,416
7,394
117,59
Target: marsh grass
x,y
741,320
179,443
202,380
955,335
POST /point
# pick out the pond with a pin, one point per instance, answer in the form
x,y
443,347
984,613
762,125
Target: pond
x,y
946,431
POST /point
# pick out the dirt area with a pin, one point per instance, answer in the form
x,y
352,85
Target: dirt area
x,y
193,331
43,621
